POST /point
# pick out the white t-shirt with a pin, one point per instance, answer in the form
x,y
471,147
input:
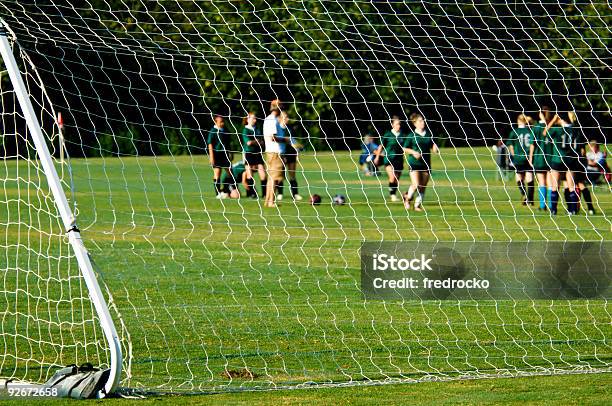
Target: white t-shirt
x,y
272,127
595,156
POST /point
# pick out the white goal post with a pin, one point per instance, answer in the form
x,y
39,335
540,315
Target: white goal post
x,y
65,211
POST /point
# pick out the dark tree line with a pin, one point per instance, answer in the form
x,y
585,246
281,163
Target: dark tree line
x,y
145,77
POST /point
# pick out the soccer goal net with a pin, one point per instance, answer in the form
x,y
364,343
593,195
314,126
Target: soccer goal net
x,y
229,163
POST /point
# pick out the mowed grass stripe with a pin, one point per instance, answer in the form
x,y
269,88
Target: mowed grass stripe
x,y
205,286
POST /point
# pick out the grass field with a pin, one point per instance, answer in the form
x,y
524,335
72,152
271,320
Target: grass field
x,y
217,295
583,389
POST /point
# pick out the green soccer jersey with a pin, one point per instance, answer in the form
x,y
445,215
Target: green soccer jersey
x,y
393,146
237,171
219,139
520,139
564,143
542,147
251,134
422,143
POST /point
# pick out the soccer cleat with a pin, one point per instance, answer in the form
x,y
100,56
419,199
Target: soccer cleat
x,y
591,212
222,195
297,197
279,197
394,198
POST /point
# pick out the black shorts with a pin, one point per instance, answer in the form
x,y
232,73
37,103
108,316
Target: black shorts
x,y
558,166
579,175
580,170
253,158
568,163
522,168
397,162
290,155
222,159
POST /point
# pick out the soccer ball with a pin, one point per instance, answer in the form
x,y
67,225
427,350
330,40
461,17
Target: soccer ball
x,y
339,200
234,194
315,199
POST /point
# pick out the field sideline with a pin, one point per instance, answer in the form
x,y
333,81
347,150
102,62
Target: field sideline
x,y
226,294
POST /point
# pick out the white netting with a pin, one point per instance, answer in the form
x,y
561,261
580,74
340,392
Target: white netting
x,y
48,320
227,294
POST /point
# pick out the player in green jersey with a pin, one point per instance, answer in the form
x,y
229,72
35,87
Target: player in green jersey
x,y
392,146
218,141
539,155
518,143
238,172
580,174
418,146
564,161
252,141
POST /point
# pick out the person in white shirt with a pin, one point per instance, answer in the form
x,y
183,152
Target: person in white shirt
x,y
275,146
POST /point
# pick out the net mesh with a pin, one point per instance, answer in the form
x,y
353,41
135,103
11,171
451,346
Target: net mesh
x,y
47,317
225,294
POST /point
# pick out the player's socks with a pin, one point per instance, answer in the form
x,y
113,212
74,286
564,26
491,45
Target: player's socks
x,y
566,196
225,186
280,187
217,183
294,187
410,194
392,188
419,199
250,187
549,197
542,195
572,203
264,185
530,192
554,200
521,187
586,194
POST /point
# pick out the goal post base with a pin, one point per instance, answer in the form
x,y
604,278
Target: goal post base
x,y
84,382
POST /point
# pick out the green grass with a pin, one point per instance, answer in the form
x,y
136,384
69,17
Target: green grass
x,y
217,295
585,389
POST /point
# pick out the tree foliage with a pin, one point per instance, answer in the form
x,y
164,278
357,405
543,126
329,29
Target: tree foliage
x,y
343,68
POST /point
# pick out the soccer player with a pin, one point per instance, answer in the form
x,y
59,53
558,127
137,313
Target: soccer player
x,y
368,147
519,142
275,146
290,157
539,155
218,152
418,146
580,174
392,145
598,165
238,170
252,140
563,162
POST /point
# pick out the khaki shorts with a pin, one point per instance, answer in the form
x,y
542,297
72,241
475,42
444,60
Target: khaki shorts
x,y
275,166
